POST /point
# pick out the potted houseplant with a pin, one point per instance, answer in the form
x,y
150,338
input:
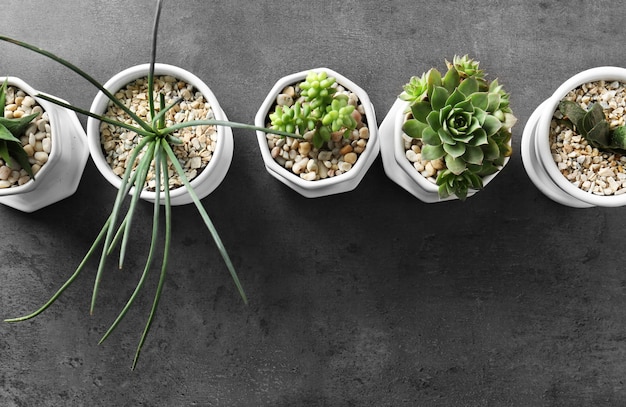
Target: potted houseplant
x,y
154,140
337,129
573,145
447,136
43,151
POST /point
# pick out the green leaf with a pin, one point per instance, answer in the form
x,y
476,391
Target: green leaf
x,y
421,110
493,102
439,97
414,128
456,165
4,152
455,97
480,137
17,152
491,125
572,111
599,135
455,150
451,80
473,155
433,78
430,152
17,127
618,137
5,134
468,86
433,118
430,136
480,100
3,90
491,150
445,137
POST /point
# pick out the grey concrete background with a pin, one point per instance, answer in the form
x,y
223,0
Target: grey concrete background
x,y
370,298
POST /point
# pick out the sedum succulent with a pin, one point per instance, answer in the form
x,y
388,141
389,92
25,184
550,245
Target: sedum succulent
x,y
463,119
319,108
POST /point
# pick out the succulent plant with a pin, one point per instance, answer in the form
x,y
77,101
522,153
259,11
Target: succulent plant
x,y
156,142
463,119
593,126
319,108
11,130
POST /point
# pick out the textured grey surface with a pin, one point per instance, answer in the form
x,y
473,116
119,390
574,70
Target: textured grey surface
x,y
369,298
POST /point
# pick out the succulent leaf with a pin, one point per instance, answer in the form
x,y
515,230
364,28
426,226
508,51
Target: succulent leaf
x,y
439,97
421,110
455,164
432,152
454,150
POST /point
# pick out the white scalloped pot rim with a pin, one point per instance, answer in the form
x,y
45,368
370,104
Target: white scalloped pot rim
x,y
365,159
123,78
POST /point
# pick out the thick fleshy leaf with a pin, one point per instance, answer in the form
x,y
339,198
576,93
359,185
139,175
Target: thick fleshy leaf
x,y
445,137
618,137
433,78
592,117
4,152
572,111
455,150
414,128
491,150
17,126
433,118
480,137
17,152
468,86
439,97
480,100
451,80
455,165
599,135
430,136
473,155
3,97
465,106
491,125
430,152
455,97
493,102
421,110
5,134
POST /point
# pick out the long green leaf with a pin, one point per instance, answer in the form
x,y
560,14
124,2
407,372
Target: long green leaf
x,y
206,219
80,72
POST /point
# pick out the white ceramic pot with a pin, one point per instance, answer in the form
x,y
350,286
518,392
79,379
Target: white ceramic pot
x,y
60,176
536,154
328,186
214,173
399,169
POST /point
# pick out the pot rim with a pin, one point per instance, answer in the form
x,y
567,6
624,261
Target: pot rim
x,y
361,165
607,73
120,80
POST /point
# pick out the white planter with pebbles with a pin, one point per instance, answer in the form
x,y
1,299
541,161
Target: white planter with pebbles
x,y
208,151
57,148
560,163
307,170
400,166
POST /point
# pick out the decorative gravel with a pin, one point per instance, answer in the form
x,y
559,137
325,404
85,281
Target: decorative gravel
x,y
592,170
413,151
334,158
199,142
37,141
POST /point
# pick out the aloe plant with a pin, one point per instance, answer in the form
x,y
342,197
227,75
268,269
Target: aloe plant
x,y
319,109
463,119
156,142
592,125
11,130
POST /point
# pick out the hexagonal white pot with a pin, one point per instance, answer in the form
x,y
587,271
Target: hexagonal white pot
x,y
536,153
328,186
215,171
60,176
397,166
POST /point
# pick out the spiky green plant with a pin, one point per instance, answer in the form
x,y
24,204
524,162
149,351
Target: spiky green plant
x,y
156,142
592,126
463,119
319,109
11,130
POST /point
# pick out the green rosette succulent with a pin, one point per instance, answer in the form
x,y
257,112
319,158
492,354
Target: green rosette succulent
x,y
464,120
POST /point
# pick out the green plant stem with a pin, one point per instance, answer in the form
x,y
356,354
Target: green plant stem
x,y
70,280
155,232
206,219
164,262
121,193
81,73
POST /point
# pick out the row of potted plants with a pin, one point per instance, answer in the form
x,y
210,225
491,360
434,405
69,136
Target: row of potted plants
x,y
156,132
